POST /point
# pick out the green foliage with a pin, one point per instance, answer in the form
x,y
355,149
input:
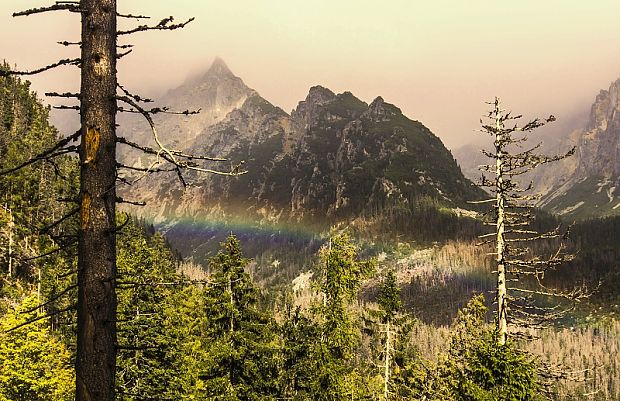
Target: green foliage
x,y
241,343
324,358
475,368
389,296
341,275
35,366
147,276
29,196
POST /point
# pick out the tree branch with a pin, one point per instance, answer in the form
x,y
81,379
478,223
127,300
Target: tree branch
x,y
67,61
72,6
49,153
163,25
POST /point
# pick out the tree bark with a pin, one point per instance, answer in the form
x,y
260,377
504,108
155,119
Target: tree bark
x,y
96,327
502,323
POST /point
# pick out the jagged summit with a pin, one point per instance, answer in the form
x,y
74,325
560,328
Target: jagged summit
x,y
379,109
319,95
334,157
587,183
216,93
219,69
604,107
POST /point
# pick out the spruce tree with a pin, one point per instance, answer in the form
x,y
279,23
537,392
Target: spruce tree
x,y
149,287
242,348
340,277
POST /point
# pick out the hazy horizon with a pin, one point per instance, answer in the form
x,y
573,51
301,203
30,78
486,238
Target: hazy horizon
x,y
438,62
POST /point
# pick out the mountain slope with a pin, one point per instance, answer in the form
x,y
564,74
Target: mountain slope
x,y
334,158
582,186
591,186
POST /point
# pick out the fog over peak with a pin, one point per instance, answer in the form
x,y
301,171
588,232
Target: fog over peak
x,y
439,64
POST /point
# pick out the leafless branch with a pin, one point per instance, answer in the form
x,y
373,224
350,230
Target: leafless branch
x,y
73,61
54,298
173,156
163,25
59,6
53,251
66,43
131,16
30,321
65,94
121,200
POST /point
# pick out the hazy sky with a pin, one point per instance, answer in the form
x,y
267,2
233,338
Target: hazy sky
x,y
439,61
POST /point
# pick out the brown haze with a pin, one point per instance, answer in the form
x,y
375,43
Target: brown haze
x,y
439,62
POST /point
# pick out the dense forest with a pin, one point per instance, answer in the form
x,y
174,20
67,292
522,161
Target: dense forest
x,y
366,327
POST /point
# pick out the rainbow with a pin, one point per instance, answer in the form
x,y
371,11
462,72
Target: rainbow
x,y
188,234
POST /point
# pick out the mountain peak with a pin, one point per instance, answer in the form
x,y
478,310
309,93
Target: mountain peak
x,y
379,109
378,102
219,69
320,94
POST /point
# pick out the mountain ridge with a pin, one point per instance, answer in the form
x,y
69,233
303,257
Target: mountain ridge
x,y
333,158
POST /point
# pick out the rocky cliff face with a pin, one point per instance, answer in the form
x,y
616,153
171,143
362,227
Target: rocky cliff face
x,y
334,157
215,94
587,184
598,148
592,180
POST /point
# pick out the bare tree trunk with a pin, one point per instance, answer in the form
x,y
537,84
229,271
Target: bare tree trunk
x,y
96,336
502,324
10,250
386,373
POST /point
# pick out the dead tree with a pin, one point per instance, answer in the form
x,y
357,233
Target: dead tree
x,y
99,177
96,332
519,272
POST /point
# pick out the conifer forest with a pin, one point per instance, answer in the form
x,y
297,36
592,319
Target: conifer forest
x,y
208,245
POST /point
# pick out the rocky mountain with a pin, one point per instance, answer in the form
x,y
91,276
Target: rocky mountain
x,y
333,158
584,185
214,95
589,187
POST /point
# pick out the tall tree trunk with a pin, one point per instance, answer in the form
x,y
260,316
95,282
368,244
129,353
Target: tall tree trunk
x,y
10,250
96,336
502,324
386,372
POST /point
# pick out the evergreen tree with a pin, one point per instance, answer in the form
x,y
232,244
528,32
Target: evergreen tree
x,y
299,335
34,365
390,304
242,348
147,287
475,367
29,196
335,376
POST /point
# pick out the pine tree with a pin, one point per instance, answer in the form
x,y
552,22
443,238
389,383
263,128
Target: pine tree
x,y
241,344
340,276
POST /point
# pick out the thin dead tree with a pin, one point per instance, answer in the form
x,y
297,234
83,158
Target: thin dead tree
x,y
520,273
99,176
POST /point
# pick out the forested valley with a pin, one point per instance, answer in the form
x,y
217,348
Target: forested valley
x,y
390,319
